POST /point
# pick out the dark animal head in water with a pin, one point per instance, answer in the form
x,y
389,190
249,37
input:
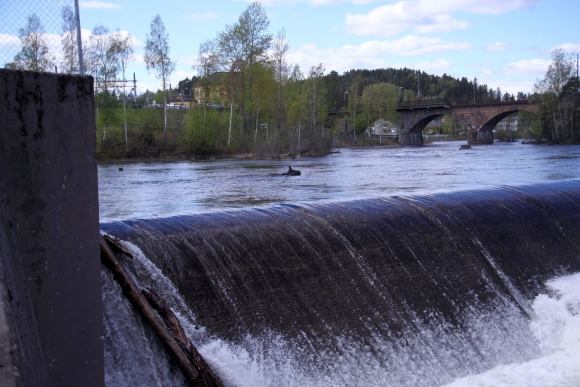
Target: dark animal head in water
x,y
293,172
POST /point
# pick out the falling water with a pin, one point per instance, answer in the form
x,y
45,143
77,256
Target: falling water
x,y
407,291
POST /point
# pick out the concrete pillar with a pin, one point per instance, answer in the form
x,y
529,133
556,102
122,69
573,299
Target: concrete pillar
x,y
411,139
484,137
49,226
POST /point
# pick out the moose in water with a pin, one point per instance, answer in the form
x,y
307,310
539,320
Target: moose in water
x,y
291,172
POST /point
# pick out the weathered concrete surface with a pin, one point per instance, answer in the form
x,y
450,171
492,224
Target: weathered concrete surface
x,y
482,119
50,229
22,361
484,137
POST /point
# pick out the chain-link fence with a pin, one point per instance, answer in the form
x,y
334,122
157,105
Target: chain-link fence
x,y
39,35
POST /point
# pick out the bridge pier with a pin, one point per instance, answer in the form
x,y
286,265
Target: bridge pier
x,y
411,139
484,137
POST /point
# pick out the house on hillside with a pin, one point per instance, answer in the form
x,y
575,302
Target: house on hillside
x,y
211,92
383,127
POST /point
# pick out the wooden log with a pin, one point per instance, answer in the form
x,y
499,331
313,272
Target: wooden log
x,y
138,299
116,246
174,326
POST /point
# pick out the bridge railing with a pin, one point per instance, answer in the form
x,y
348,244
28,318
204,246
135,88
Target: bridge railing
x,y
491,103
424,103
448,103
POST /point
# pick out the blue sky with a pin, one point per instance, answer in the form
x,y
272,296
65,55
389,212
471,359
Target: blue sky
x,y
504,43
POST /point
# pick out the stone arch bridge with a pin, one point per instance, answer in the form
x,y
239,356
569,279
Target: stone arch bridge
x,y
481,118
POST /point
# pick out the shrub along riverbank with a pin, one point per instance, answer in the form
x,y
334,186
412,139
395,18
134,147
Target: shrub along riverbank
x,y
195,133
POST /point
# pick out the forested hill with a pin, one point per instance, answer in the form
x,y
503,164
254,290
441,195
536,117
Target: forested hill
x,y
431,86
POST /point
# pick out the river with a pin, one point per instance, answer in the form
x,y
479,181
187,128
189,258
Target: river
x,y
148,189
426,282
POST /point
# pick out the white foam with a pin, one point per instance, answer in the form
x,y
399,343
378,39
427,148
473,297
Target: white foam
x,y
556,326
435,354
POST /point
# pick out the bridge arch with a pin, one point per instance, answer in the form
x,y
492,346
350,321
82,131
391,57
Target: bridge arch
x,y
416,115
417,129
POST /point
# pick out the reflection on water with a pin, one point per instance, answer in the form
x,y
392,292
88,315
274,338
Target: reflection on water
x,y
163,188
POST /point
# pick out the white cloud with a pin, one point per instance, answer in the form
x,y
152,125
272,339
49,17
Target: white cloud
x,y
512,86
178,76
527,68
9,41
392,19
373,54
441,23
189,60
97,5
335,61
477,64
412,45
426,16
409,45
201,16
490,7
134,41
437,67
497,47
568,47
86,35
294,2
138,59
516,76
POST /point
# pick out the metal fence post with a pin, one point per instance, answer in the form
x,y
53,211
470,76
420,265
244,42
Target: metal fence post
x,y
79,40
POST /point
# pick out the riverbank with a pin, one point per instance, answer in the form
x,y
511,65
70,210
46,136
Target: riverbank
x,y
174,153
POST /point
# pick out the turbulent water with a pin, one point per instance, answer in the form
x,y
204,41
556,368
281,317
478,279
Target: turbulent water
x,y
464,287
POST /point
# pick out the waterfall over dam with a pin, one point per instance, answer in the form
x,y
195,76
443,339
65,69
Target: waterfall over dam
x,y
394,291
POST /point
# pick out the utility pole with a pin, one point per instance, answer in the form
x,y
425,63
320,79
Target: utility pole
x,y
134,90
345,122
419,84
79,41
354,122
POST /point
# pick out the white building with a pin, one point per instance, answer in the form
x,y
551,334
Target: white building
x,y
508,123
384,127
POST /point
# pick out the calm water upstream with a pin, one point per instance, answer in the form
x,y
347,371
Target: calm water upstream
x,y
167,188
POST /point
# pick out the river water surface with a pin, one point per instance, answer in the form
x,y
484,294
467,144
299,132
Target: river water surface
x,y
168,188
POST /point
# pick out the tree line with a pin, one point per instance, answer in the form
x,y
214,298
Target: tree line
x,y
250,99
558,98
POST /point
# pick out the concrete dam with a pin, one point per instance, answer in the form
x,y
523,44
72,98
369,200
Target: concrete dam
x,y
407,291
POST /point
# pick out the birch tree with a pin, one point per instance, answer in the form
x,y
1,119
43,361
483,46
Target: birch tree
x,y
317,109
70,62
551,86
123,48
34,54
252,28
157,59
297,108
102,59
229,48
280,48
207,63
